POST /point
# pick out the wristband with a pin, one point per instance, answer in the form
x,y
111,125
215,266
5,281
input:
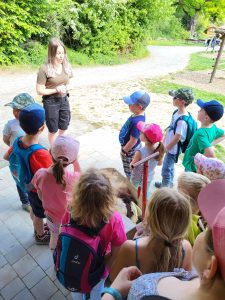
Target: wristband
x,y
113,292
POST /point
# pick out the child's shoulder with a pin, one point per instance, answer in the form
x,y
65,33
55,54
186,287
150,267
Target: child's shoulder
x,y
12,122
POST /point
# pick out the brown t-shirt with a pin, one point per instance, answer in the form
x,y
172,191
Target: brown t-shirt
x,y
51,82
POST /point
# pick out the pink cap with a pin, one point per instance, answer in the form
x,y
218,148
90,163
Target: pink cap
x,y
212,168
153,132
65,147
211,202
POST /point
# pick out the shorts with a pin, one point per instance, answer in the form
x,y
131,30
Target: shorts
x,y
36,205
57,112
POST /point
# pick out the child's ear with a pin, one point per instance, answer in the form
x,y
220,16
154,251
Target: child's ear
x,y
41,128
210,272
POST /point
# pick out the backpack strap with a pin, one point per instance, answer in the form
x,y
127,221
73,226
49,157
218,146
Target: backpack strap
x,y
89,231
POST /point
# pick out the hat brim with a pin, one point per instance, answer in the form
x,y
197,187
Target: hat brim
x,y
9,104
200,103
211,200
172,93
141,126
128,100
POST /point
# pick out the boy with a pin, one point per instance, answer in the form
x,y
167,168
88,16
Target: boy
x,y
31,119
12,130
207,135
181,99
129,135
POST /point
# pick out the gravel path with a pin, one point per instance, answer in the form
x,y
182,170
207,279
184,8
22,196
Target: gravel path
x,y
97,91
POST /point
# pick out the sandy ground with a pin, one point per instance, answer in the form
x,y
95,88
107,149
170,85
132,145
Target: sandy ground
x,y
96,92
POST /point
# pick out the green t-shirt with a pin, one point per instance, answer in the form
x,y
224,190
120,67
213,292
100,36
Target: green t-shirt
x,y
201,140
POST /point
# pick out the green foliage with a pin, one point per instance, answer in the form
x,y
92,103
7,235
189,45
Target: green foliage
x,y
220,152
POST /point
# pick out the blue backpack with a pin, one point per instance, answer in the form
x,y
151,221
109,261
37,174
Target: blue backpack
x,y
192,126
19,163
78,257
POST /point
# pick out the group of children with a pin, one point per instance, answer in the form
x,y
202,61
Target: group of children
x,y
57,190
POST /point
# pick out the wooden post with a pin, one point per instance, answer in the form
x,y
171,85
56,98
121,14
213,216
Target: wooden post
x,y
218,58
144,189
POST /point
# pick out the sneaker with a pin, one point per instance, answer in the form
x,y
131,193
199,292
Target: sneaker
x,y
42,239
158,184
26,207
46,229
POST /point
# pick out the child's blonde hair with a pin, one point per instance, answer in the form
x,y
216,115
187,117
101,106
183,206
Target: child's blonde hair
x,y
93,199
167,218
191,184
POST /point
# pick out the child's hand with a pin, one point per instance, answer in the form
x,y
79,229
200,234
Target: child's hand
x,y
125,278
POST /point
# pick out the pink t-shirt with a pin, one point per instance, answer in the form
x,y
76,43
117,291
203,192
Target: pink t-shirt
x,y
54,199
112,234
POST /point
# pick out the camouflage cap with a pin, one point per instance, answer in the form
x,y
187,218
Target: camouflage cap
x,y
21,101
185,94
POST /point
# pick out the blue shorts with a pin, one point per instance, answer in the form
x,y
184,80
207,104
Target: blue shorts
x,y
36,205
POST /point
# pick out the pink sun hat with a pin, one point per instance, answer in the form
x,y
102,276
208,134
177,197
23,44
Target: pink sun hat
x,y
211,202
210,167
65,147
153,132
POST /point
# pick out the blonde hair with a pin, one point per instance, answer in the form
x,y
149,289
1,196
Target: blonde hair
x,y
167,218
93,199
53,45
191,184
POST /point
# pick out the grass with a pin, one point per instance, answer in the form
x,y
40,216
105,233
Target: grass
x,y
199,62
162,87
220,152
174,43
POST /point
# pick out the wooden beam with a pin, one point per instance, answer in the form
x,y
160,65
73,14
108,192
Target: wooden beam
x,y
217,59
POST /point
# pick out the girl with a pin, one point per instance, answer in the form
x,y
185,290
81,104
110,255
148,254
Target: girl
x,y
93,204
54,185
191,184
52,84
208,258
151,135
167,218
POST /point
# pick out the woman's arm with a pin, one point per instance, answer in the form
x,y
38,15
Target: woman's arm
x,y
187,261
42,90
123,259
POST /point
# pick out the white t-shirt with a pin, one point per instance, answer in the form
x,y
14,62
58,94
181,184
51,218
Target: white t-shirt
x,y
12,128
181,129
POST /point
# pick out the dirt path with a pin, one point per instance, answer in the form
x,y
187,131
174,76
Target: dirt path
x,y
97,91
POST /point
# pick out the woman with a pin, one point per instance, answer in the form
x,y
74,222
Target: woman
x,y
208,258
52,82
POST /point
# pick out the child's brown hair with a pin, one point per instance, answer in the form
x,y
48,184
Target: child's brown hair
x,y
93,199
167,218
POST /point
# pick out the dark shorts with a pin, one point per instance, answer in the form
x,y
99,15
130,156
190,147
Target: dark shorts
x,y
57,112
36,205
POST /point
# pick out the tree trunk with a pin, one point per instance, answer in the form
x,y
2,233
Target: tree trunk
x,y
193,25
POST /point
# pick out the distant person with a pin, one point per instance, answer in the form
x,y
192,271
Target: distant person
x,y
167,218
26,156
151,135
207,135
52,84
129,135
12,130
176,134
55,184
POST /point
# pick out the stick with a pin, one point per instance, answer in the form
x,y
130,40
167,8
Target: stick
x,y
145,159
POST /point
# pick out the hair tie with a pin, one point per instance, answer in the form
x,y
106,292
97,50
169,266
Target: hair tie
x,y
167,244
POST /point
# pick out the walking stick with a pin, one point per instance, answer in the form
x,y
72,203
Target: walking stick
x,y
145,179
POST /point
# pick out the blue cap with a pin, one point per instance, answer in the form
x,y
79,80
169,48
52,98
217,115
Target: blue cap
x,y
213,109
32,118
140,97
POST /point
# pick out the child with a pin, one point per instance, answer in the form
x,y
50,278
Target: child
x,y
12,130
31,156
151,135
207,135
191,184
54,185
92,207
129,134
181,99
210,167
168,216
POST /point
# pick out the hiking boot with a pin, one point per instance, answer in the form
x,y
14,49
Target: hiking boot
x,y
158,184
42,239
26,207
